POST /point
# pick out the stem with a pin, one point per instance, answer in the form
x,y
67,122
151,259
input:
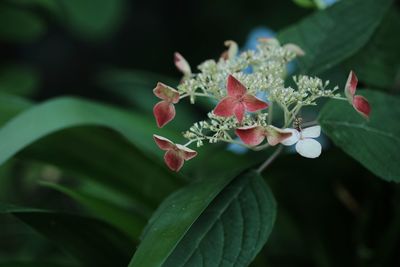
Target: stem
x,y
195,94
188,143
270,112
270,159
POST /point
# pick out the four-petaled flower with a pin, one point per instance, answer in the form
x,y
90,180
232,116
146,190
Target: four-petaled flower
x,y
175,154
359,103
254,135
238,101
305,144
164,111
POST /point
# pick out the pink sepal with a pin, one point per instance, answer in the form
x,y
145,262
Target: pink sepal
x,y
182,65
175,154
164,112
362,106
251,135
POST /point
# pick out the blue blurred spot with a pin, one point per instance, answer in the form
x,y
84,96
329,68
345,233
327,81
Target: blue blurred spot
x,y
238,149
325,3
255,34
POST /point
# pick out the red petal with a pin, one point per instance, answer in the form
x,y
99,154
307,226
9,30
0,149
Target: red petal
x,y
166,93
181,64
276,135
253,103
163,143
164,112
351,86
225,107
251,135
174,160
187,152
235,88
362,106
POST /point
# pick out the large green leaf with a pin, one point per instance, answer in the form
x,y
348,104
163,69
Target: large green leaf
x,y
89,151
378,64
330,36
90,241
215,222
374,143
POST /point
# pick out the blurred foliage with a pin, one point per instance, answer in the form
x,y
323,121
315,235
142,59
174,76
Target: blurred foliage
x,y
83,184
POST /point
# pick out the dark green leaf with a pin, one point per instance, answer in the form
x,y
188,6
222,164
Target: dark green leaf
x,y
215,222
18,80
378,64
92,242
123,219
330,36
19,25
374,143
92,19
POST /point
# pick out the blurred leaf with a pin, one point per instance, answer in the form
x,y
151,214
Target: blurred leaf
x,y
305,3
61,113
332,35
89,152
92,19
11,105
374,143
123,219
92,242
378,64
32,264
133,86
19,25
215,222
18,80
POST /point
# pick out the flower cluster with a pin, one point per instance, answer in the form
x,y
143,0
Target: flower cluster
x,y
236,81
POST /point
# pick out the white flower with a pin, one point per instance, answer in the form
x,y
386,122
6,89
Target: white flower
x,y
305,144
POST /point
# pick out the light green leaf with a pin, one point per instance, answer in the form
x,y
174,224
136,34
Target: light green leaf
x,y
332,35
374,143
215,222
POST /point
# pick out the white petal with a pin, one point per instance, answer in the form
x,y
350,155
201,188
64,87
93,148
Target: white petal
x,y
309,148
311,132
293,139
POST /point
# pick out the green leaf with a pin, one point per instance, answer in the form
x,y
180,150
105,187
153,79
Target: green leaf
x,y
92,19
214,222
18,80
374,143
90,241
381,69
330,36
123,219
62,113
88,152
19,25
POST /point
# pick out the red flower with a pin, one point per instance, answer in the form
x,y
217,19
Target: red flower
x,y
238,101
359,103
176,154
254,135
164,111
